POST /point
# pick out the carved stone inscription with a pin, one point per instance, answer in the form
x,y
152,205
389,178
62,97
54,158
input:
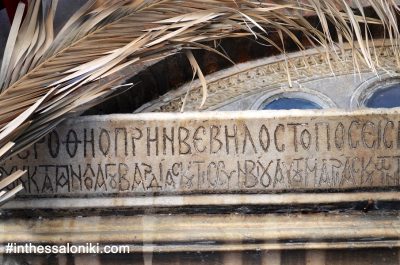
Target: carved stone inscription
x,y
214,152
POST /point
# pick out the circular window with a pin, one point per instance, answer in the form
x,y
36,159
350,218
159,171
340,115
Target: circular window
x,y
280,99
285,103
386,97
377,93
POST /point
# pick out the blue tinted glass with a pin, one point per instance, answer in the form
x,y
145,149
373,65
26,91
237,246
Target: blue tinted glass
x,y
291,103
385,98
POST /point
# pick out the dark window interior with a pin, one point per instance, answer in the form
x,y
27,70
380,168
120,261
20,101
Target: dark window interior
x,y
290,103
388,97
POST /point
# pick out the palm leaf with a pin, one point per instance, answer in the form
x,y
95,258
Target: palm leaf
x,y
45,79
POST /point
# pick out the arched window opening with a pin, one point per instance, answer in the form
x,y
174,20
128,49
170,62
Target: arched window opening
x,y
286,103
386,97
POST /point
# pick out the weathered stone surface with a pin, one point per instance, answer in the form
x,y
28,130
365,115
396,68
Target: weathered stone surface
x,y
215,152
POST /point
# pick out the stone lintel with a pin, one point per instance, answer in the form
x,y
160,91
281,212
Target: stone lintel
x,y
221,153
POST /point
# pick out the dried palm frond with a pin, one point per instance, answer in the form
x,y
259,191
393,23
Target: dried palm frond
x,y
44,79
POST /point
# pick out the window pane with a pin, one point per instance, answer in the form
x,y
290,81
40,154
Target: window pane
x,y
388,97
291,103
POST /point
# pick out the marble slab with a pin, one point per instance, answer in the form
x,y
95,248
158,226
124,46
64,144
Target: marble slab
x,y
248,152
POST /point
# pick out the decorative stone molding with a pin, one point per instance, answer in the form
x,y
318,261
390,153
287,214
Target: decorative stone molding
x,y
203,232
266,76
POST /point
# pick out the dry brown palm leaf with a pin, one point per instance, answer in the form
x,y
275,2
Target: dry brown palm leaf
x,y
44,79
